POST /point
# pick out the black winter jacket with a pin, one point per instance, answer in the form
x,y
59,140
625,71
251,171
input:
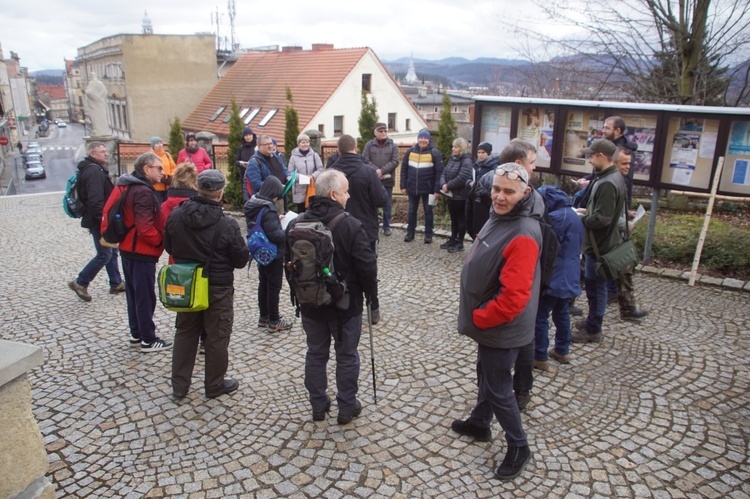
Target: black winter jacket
x,y
421,170
94,188
270,221
367,193
190,232
457,175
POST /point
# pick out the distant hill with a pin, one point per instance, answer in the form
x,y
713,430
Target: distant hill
x,y
459,71
49,76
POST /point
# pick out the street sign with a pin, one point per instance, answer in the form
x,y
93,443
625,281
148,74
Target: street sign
x,y
3,141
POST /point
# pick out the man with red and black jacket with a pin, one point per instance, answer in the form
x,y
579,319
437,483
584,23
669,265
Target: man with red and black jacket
x,y
141,248
94,187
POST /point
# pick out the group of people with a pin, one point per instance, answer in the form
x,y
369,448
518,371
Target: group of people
x,y
505,300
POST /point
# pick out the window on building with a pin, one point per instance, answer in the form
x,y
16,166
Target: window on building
x,y
244,112
392,121
322,129
407,125
338,126
436,109
252,115
217,113
455,109
267,117
366,80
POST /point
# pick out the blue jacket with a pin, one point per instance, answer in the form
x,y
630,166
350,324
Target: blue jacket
x,y
421,170
566,280
259,167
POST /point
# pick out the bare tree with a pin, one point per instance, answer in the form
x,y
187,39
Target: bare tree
x,y
670,51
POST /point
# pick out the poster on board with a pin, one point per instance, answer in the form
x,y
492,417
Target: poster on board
x,y
496,126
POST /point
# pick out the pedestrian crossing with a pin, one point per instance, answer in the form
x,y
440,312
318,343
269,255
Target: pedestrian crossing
x,y
60,148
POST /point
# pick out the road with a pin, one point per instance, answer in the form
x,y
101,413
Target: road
x,y
59,150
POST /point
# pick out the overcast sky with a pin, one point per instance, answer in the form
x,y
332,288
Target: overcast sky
x,y
44,32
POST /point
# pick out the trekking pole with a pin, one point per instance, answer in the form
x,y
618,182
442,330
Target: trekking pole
x,y
372,353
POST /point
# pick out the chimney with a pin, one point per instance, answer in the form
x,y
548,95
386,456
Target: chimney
x,y
291,48
319,47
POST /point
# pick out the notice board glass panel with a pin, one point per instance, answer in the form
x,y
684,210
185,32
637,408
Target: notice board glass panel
x,y
641,129
735,177
536,125
582,127
689,152
495,129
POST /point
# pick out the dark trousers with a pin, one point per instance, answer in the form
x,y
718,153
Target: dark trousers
x,y
217,321
388,207
495,393
596,293
429,217
373,300
561,317
346,341
140,295
105,258
523,370
269,288
457,211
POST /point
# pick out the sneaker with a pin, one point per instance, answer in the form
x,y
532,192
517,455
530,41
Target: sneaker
x,y
409,237
228,386
157,344
81,291
447,244
515,461
374,316
562,358
280,325
583,336
387,231
634,316
471,430
542,365
120,288
346,417
134,342
321,415
428,238
456,248
263,322
522,400
575,310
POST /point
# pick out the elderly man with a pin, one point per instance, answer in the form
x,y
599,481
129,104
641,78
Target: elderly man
x,y
500,287
190,233
382,154
601,219
94,187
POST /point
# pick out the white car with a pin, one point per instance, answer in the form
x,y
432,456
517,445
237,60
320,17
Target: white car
x,y
61,124
34,169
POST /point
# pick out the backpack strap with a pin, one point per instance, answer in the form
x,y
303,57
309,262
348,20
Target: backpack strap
x,y
260,214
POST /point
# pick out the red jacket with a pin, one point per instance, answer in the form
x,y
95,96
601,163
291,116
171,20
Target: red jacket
x,y
142,213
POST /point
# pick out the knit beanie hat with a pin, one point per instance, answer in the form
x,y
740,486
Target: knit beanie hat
x,y
190,136
486,147
423,134
154,140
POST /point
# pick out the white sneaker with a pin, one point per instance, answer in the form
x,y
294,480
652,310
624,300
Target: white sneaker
x,y
157,344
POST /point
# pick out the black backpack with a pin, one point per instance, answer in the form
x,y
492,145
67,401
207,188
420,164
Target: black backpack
x,y
312,279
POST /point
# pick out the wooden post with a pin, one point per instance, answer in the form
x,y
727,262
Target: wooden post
x,y
706,221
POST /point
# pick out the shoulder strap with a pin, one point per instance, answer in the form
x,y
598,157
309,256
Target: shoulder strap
x,y
260,214
335,221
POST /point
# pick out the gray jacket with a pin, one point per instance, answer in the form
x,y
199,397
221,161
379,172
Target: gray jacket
x,y
383,158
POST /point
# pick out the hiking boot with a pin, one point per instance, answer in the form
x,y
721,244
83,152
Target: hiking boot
x,y
229,386
515,461
119,288
387,231
562,358
471,430
263,322
634,316
542,365
583,336
279,325
409,237
81,291
374,316
575,310
428,238
321,415
522,400
450,242
581,325
346,417
157,344
456,248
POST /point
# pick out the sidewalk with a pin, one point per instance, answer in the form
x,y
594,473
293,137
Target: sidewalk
x,y
657,409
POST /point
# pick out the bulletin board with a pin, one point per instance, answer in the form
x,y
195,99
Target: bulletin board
x,y
536,125
735,177
582,127
641,129
495,127
689,151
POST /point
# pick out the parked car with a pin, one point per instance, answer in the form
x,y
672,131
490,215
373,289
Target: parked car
x,y
34,149
32,156
61,124
34,169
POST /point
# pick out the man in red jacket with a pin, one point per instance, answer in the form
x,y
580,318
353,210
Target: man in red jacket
x,y
141,248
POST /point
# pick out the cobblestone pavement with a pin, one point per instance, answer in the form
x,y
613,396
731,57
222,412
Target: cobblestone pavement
x,y
657,409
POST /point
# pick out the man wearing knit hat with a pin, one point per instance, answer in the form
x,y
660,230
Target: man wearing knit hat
x,y
188,234
420,176
195,154
157,147
382,155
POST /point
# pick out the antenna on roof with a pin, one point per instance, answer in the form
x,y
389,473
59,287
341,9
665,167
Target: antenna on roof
x,y
232,32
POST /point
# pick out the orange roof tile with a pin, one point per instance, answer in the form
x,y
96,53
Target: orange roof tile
x,y
260,80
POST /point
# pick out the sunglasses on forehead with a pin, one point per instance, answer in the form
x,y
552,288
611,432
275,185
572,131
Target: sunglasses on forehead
x,y
510,174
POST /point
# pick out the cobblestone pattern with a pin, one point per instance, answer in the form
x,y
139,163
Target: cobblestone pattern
x,y
658,409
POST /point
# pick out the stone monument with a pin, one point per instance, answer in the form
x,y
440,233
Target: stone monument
x,y
96,107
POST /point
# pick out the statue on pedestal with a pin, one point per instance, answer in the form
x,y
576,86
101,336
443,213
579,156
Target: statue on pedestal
x,y
96,107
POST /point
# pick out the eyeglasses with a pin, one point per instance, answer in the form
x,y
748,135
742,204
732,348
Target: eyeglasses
x,y
511,175
160,167
100,151
266,144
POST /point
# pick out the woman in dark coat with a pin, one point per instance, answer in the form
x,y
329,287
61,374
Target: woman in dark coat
x,y
478,202
454,183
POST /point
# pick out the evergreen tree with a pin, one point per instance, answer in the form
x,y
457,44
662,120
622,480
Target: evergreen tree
x,y
176,139
291,131
447,130
233,190
367,119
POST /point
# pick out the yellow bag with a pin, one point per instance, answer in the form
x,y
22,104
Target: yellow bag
x,y
183,288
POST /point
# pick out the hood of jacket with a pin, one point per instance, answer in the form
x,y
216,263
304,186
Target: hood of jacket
x,y
248,131
201,212
134,178
323,208
554,198
349,162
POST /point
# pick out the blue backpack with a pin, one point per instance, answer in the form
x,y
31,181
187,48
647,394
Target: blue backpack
x,y
263,250
71,200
